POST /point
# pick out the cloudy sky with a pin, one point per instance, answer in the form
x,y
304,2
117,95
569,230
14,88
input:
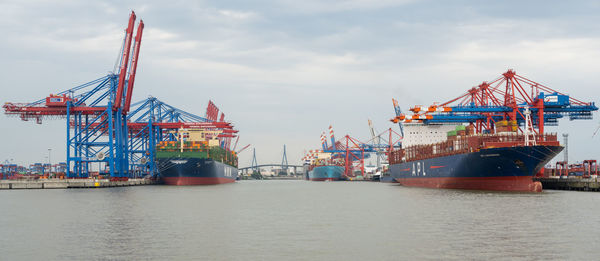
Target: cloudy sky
x,y
283,71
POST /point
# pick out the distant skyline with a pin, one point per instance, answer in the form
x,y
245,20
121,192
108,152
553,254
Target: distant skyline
x,y
283,71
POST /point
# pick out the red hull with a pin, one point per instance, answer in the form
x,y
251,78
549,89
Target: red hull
x,y
183,181
323,179
520,184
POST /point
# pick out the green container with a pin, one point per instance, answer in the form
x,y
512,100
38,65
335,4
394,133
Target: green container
x,y
451,133
215,153
461,128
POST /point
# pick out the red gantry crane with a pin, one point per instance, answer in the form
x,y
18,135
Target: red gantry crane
x,y
506,98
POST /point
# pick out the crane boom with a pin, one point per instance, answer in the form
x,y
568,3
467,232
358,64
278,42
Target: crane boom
x,y
236,142
245,147
124,61
372,129
398,113
132,70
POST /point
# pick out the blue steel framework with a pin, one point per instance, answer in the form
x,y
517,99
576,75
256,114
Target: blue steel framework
x,y
149,125
96,114
85,142
152,121
143,141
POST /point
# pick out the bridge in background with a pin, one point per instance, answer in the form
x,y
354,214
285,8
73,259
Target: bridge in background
x,y
246,170
284,166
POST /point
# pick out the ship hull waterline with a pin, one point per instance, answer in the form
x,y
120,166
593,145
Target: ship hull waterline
x,y
326,173
194,171
495,169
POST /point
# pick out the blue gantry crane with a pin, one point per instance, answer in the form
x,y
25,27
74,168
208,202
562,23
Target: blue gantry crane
x,y
153,120
96,114
104,127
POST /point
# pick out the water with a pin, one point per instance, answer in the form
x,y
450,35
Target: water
x,y
297,220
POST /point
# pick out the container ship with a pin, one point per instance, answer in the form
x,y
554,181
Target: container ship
x,y
326,173
453,157
322,167
196,158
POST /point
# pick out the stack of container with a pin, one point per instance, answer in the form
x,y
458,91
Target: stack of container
x,y
470,130
506,126
193,149
461,130
452,135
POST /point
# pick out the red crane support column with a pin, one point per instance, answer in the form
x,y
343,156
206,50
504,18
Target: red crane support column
x,y
362,162
540,106
509,95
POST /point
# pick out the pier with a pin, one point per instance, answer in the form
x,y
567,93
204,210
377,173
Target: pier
x,y
71,183
572,183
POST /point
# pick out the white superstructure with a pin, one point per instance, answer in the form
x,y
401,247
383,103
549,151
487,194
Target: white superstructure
x,y
423,134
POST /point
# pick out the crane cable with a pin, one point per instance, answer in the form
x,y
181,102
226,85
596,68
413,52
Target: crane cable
x,y
596,131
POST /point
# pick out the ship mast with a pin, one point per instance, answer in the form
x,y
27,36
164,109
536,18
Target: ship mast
x,y
529,132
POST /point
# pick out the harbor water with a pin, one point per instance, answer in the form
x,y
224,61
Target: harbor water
x,y
297,220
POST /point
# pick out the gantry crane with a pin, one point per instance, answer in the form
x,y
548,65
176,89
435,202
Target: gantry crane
x,y
505,98
102,103
153,121
383,142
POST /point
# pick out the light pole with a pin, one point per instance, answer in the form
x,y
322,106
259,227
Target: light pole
x,y
49,162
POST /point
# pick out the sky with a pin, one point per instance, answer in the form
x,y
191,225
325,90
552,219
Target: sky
x,y
283,71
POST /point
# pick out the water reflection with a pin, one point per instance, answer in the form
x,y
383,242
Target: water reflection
x,y
296,220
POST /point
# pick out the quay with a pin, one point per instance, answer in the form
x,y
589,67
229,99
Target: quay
x,y
283,178
571,183
71,183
